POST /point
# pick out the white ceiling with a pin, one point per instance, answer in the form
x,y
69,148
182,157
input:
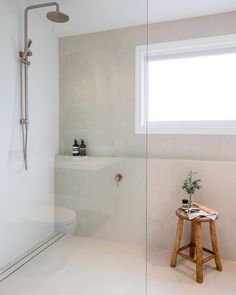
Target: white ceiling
x,y
97,15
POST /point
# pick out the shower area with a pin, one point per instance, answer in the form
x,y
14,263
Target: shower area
x,y
102,222
74,223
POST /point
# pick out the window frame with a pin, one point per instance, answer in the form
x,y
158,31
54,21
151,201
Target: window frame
x,y
143,53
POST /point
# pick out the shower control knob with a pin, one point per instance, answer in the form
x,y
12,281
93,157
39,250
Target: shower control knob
x,y
118,178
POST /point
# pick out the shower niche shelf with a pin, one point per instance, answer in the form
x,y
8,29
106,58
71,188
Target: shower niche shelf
x,y
85,163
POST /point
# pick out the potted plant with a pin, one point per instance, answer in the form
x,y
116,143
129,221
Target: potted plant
x,y
190,185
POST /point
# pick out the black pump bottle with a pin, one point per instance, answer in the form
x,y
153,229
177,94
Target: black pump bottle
x,y
82,149
75,148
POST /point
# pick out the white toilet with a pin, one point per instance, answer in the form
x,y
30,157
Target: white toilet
x,y
65,220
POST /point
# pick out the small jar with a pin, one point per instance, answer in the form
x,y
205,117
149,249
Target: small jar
x,y
185,204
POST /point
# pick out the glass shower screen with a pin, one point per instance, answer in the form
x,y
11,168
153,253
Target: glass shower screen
x,y
106,189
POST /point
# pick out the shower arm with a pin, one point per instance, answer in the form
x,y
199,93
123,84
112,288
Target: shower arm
x,y
26,17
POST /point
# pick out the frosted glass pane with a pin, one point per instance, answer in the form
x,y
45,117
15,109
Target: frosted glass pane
x,y
200,88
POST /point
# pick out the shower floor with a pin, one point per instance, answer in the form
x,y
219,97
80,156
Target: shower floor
x,y
86,266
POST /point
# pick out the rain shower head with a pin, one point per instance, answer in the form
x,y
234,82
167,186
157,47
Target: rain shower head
x,y
57,16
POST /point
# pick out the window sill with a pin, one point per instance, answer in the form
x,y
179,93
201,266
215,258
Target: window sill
x,y
210,128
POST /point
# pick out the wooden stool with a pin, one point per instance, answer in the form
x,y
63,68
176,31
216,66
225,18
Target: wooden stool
x,y
196,243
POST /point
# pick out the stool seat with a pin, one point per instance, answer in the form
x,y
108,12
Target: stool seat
x,y
196,244
182,214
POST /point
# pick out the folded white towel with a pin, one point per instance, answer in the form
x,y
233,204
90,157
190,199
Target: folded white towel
x,y
196,213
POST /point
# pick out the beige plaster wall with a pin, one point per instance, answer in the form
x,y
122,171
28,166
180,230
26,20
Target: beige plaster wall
x,y
97,92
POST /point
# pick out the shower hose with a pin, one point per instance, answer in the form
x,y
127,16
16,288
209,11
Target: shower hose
x,y
24,110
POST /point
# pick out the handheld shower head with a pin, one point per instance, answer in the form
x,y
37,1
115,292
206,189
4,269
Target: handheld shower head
x,y
24,54
57,16
29,43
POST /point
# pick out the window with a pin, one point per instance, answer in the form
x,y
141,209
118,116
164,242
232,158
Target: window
x,y
190,86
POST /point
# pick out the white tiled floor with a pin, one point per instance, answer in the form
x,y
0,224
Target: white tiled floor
x,y
85,266
162,279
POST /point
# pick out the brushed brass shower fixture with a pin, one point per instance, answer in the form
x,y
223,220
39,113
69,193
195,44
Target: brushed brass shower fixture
x,y
54,16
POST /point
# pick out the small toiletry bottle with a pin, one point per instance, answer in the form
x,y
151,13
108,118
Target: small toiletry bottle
x,y
185,205
75,148
82,149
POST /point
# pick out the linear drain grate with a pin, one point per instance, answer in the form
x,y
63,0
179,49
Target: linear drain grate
x,y
18,263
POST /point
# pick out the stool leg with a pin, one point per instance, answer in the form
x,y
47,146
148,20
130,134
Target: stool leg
x,y
199,264
178,238
215,245
192,242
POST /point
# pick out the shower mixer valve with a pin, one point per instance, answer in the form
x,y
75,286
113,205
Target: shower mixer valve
x,y
23,57
118,178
